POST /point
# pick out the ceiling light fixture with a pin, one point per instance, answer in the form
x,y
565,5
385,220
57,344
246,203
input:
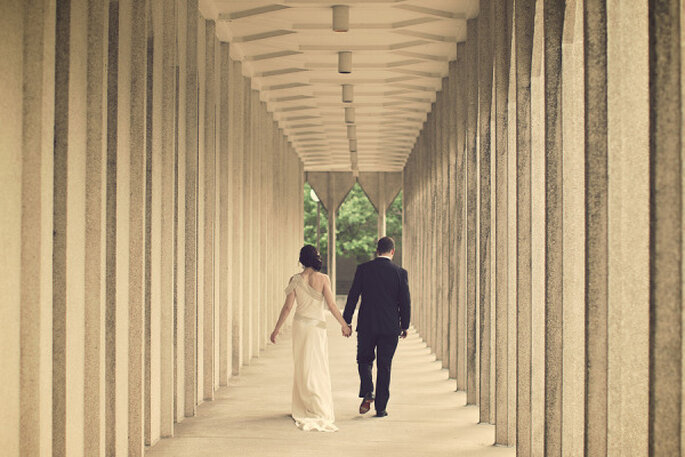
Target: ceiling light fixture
x,y
341,18
349,115
352,131
353,146
347,93
344,62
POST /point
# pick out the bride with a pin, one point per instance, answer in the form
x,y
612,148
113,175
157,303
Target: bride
x,y
312,402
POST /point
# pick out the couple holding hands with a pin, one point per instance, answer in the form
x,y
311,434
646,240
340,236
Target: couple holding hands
x,y
383,318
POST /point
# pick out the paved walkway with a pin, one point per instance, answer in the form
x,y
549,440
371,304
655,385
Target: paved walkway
x,y
251,417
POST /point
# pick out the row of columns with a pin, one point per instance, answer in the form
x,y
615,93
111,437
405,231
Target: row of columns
x,y
543,225
152,214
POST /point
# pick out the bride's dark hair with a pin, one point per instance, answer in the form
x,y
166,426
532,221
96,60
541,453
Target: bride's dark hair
x,y
310,257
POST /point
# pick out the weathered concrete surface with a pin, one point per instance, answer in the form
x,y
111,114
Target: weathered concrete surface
x,y
502,16
574,234
596,262
553,20
666,228
426,416
36,122
485,52
471,202
628,214
523,32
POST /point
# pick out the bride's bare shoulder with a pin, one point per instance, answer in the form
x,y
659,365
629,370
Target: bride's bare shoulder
x,y
322,277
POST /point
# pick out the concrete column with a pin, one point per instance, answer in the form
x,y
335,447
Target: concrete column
x,y
94,357
443,266
69,255
218,279
190,106
424,240
136,144
573,410
485,219
209,234
263,152
553,27
153,225
596,268
28,183
471,196
117,220
332,213
537,230
247,222
445,221
628,220
524,14
381,221
439,213
237,224
180,216
666,229
253,281
460,222
501,26
11,170
433,285
226,246
452,221
201,202
168,257
512,248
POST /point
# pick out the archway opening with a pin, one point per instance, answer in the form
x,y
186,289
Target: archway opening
x,y
356,231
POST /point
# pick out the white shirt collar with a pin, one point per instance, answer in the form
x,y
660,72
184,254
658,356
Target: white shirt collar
x,y
385,257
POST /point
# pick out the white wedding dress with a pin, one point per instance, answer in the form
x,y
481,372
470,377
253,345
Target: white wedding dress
x,y
312,407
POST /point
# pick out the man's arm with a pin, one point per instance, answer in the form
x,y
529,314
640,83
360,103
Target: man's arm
x,y
353,296
405,300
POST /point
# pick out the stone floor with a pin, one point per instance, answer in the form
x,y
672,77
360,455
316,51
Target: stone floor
x,y
251,417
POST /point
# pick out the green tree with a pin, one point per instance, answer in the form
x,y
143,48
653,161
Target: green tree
x,y
357,226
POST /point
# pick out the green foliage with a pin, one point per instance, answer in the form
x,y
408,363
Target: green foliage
x,y
356,224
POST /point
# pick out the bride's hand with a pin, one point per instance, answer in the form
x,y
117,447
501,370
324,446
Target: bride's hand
x,y
274,334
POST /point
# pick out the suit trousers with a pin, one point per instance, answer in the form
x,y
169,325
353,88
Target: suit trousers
x,y
368,346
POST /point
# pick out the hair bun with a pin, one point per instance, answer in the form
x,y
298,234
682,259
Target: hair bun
x,y
310,257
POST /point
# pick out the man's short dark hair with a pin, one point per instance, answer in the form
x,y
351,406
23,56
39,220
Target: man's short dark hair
x,y
385,245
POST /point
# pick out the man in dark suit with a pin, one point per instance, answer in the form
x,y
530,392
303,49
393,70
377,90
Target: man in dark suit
x,y
383,316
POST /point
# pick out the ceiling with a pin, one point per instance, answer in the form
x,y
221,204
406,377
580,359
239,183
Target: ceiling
x,y
400,52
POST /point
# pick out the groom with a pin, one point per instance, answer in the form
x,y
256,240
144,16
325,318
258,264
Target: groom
x,y
383,316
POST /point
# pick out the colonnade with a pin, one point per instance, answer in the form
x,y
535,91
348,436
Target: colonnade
x,y
543,225
152,214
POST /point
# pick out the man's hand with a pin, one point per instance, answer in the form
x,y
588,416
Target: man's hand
x,y
347,330
403,334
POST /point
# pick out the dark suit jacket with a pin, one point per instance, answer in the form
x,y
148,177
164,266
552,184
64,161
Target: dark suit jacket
x,y
385,306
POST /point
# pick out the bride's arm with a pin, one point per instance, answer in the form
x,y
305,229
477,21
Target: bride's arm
x,y
287,306
330,301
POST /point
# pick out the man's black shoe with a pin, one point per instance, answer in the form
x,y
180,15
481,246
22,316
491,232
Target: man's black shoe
x,y
381,413
366,404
